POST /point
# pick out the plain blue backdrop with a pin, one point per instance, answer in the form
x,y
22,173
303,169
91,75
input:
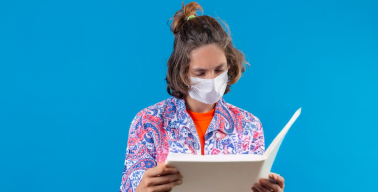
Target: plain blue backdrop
x,y
73,74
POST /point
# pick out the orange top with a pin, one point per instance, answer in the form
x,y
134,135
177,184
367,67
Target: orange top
x,y
201,121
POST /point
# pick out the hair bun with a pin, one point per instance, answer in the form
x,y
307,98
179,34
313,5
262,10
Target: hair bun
x,y
181,16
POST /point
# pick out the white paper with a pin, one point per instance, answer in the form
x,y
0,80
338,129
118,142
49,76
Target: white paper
x,y
226,173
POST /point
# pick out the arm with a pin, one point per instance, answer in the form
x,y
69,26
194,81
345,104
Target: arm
x,y
141,172
258,141
140,154
276,182
254,134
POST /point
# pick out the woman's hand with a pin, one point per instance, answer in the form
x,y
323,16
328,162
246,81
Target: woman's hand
x,y
275,183
159,179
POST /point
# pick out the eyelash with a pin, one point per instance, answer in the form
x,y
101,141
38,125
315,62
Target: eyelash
x,y
204,73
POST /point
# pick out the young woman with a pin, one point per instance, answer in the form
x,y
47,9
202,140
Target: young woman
x,y
196,119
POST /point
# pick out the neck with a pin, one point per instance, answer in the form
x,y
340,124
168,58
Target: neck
x,y
197,106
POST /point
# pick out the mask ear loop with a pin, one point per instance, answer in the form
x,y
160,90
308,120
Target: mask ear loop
x,y
189,86
186,82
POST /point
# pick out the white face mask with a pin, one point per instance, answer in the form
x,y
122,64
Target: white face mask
x,y
208,91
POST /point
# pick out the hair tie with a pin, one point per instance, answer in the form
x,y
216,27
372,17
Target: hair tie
x,y
191,16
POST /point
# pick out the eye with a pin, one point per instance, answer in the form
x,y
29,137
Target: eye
x,y
201,74
219,70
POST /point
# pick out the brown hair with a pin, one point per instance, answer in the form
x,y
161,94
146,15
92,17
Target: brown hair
x,y
194,33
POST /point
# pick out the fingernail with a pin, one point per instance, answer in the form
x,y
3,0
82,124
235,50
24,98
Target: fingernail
x,y
179,182
263,181
273,181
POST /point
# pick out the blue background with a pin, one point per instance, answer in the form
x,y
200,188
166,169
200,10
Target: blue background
x,y
73,74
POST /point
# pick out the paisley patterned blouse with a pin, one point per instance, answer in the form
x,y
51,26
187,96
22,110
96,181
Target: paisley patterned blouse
x,y
167,127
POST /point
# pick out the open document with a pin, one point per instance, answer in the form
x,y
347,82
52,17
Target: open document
x,y
226,173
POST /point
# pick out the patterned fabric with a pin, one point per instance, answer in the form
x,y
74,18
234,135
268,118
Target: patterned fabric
x,y
167,127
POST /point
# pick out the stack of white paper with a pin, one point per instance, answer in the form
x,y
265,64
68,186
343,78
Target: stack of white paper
x,y
226,173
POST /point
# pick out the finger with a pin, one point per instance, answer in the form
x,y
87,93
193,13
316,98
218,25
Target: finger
x,y
279,179
254,189
162,180
166,187
266,183
161,170
261,188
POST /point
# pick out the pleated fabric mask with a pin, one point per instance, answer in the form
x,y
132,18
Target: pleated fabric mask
x,y
208,91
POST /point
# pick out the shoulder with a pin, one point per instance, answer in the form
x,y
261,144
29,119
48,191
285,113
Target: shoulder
x,y
253,134
154,113
244,115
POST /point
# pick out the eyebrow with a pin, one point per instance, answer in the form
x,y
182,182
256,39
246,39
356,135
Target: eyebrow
x,y
201,69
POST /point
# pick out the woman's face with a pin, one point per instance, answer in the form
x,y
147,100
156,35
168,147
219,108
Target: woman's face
x,y
207,62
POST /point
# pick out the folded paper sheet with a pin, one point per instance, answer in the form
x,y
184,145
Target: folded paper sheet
x,y
226,173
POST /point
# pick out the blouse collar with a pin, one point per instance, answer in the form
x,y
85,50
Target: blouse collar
x,y
223,119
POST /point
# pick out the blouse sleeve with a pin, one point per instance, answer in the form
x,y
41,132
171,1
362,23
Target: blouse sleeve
x,y
258,143
140,153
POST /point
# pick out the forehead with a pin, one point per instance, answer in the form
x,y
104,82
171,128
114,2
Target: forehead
x,y
207,56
